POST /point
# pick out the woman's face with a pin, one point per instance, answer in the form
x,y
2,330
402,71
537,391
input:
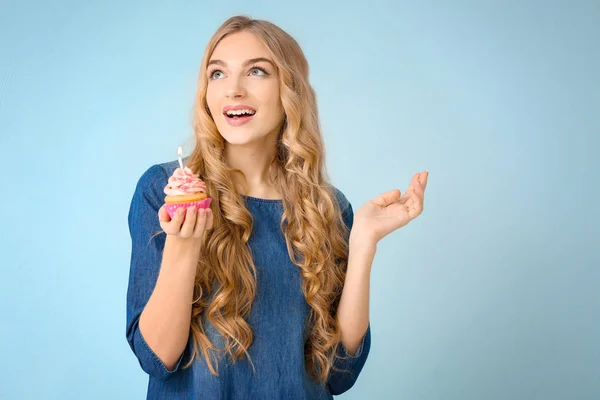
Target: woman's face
x,y
243,90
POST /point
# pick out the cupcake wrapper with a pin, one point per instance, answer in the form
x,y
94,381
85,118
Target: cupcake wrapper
x,y
173,207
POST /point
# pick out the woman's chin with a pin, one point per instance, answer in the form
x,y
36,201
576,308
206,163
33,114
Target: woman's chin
x,y
239,137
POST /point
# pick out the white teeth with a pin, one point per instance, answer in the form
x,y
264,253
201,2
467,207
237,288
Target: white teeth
x,y
240,112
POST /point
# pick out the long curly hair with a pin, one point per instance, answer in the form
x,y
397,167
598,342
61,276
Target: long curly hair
x,y
315,233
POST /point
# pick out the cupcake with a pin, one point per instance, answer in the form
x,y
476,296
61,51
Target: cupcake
x,y
185,189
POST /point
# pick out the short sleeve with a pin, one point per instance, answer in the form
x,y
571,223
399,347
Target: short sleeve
x,y
146,256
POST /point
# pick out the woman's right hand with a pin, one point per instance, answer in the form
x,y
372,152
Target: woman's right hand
x,y
190,223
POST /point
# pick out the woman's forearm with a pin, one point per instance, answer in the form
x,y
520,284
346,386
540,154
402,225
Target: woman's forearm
x,y
165,321
353,309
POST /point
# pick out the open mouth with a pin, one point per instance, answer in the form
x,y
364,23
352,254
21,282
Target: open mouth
x,y
238,114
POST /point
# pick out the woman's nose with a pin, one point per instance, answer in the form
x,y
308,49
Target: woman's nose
x,y
236,91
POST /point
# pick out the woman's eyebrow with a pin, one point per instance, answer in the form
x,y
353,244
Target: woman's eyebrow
x,y
246,63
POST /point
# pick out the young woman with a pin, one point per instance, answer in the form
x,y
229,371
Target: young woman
x,y
265,295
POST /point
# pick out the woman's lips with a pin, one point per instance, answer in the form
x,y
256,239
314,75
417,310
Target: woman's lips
x,y
237,121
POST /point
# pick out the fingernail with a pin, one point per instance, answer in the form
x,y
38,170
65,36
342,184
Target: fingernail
x,y
192,210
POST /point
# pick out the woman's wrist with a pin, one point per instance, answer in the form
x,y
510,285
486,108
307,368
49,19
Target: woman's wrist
x,y
183,247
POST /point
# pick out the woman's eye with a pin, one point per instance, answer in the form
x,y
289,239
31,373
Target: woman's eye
x,y
257,71
214,74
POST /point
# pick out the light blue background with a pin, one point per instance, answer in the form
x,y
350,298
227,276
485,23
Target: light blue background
x,y
493,293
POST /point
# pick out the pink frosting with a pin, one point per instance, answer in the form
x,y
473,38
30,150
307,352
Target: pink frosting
x,y
184,182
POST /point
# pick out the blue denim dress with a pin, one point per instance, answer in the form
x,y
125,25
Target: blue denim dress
x,y
278,316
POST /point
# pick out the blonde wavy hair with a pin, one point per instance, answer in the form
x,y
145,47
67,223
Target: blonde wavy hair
x,y
315,232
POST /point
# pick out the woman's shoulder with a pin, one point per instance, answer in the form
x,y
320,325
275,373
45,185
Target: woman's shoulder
x,y
151,177
154,179
159,173
341,198
159,170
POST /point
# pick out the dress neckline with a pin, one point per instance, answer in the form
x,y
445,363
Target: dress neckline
x,y
261,200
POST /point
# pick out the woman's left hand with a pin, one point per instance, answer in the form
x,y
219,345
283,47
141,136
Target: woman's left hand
x,y
390,211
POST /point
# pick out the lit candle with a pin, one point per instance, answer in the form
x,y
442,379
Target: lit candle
x,y
179,153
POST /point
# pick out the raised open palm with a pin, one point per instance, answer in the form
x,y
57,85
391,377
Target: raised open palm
x,y
391,210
